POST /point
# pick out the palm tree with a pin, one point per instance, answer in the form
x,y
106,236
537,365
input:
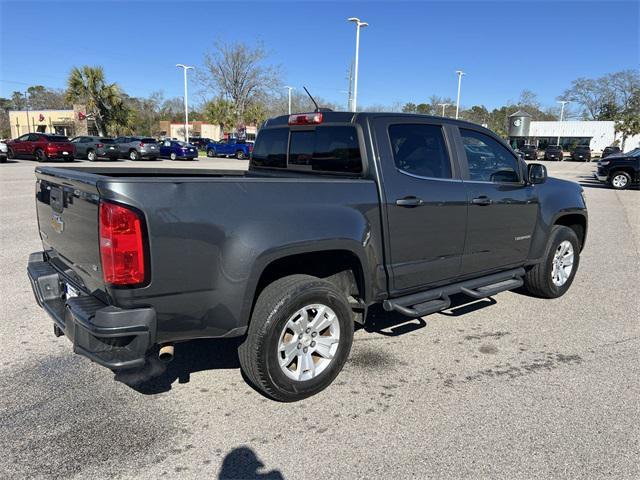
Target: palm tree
x,y
103,100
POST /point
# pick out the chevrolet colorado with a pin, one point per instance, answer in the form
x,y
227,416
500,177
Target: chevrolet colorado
x,y
338,211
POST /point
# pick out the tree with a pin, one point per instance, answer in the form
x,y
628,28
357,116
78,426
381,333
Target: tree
x,y
43,98
409,108
103,100
629,123
423,108
220,111
239,74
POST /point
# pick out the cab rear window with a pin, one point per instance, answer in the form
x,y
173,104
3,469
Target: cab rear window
x,y
324,149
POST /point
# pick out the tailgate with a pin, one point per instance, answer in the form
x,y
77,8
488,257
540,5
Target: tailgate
x,y
67,204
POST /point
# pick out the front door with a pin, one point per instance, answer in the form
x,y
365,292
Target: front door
x,y
503,209
425,202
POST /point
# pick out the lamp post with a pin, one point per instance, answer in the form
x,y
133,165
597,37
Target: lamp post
x,y
563,103
359,24
289,88
443,105
186,104
460,73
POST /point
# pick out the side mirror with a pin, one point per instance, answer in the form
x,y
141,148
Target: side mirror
x,y
537,173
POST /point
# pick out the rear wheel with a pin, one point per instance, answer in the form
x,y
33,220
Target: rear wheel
x,y
620,180
173,156
211,152
552,277
134,155
41,156
240,155
92,156
299,338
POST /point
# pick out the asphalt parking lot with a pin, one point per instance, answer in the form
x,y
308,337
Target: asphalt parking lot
x,y
509,387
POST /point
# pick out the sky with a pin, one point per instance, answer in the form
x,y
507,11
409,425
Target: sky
x,y
409,52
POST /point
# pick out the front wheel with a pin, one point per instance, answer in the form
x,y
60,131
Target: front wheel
x,y
10,154
620,180
299,338
552,277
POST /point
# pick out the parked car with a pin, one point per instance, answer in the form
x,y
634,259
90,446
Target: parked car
x,y
620,170
529,152
553,152
610,151
93,147
230,147
337,212
3,152
136,148
200,142
581,153
176,150
41,146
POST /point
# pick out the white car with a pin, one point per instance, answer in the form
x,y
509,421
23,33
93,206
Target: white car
x,y
3,152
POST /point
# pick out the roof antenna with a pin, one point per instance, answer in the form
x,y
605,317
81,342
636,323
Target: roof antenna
x,y
312,99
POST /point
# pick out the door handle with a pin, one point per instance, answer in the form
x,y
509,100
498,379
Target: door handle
x,y
409,202
481,200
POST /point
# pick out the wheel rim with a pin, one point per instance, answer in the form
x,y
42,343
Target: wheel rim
x,y
92,156
173,156
132,155
308,342
619,181
562,263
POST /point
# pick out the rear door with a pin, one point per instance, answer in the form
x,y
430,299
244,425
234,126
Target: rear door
x,y
503,209
424,199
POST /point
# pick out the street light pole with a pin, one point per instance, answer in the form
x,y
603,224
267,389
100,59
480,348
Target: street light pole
x,y
460,73
289,88
443,105
186,104
359,24
563,103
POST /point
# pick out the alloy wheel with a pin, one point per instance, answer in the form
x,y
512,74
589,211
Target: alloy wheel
x,y
562,263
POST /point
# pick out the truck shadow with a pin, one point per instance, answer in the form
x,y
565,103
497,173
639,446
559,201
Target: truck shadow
x,y
222,354
242,462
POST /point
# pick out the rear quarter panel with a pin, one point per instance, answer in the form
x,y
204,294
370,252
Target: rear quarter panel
x,y
210,240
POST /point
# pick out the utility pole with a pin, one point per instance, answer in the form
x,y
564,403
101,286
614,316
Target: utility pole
x,y
359,25
350,99
443,105
289,88
460,73
563,103
26,107
186,104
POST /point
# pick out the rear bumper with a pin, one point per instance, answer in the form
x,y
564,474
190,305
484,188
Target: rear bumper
x,y
113,154
113,337
149,154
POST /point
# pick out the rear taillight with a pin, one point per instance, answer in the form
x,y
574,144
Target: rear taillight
x,y
306,119
121,245
141,144
50,148
99,145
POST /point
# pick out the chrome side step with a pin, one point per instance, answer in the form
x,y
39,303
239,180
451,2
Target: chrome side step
x,y
431,301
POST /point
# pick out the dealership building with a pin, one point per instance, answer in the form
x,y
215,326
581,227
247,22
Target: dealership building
x,y
69,123
596,134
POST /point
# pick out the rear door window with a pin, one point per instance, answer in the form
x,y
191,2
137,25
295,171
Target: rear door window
x,y
326,149
420,149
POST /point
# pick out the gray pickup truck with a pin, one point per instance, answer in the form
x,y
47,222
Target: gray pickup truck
x,y
337,212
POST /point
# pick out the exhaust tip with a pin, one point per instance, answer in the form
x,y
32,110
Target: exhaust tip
x,y
166,353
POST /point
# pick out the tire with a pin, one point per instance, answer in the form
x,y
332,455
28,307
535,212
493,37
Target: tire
x,y
173,156
134,155
211,152
620,180
41,156
3,159
91,155
240,155
10,154
539,280
275,309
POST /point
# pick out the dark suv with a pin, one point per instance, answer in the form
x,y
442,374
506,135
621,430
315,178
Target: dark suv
x,y
529,152
581,153
610,151
553,152
93,148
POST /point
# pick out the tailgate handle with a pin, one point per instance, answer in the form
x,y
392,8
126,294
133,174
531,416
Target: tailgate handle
x,y
409,202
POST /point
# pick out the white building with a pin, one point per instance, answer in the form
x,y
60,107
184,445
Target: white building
x,y
596,134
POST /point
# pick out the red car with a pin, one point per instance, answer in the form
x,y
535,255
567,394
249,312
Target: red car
x,y
41,146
